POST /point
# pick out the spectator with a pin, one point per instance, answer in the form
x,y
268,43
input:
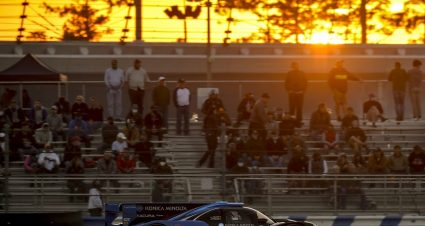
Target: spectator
x,y
275,145
293,141
287,125
255,145
109,133
359,163
232,155
17,140
317,165
162,187
75,185
43,136
243,186
114,80
80,108
107,166
298,164
331,140
181,99
153,123
296,85
356,137
347,120
14,116
143,149
272,125
94,115
397,162
372,110
79,127
258,118
132,132
377,162
161,99
343,163
223,117
136,116
30,163
210,128
338,78
245,108
37,115
212,103
126,162
63,109
95,205
320,121
398,76
275,160
417,160
55,122
72,150
136,77
25,149
26,99
6,98
119,144
48,160
415,76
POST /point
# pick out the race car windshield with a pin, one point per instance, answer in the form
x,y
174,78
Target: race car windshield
x,y
262,217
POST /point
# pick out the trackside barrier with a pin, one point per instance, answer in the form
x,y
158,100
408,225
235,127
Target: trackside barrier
x,y
359,220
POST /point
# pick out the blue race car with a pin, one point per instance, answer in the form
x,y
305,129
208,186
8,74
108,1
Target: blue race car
x,y
214,214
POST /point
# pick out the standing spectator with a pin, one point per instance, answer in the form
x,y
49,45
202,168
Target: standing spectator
x,y
181,99
397,162
94,115
331,140
107,166
415,76
372,110
320,121
37,115
126,162
95,205
161,99
119,144
80,108
245,108
212,103
258,118
210,128
377,162
153,123
63,109
109,133
417,160
398,76
338,78
162,187
136,77
356,137
114,80
76,166
43,136
296,85
55,122
14,116
48,160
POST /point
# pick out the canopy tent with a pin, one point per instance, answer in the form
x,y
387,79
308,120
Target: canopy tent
x,y
31,69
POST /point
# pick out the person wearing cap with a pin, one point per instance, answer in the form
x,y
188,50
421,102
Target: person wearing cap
x,y
114,80
49,160
212,103
338,82
372,110
43,135
398,76
55,122
136,76
415,76
296,85
119,144
181,98
258,118
161,99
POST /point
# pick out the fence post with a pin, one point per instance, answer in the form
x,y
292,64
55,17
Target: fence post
x,y
6,172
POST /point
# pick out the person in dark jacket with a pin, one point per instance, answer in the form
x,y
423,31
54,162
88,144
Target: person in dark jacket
x,y
212,103
94,115
211,130
109,133
80,108
298,164
37,115
296,85
162,187
417,160
76,166
258,118
356,137
245,108
398,76
338,82
320,121
14,116
153,123
373,110
161,99
63,109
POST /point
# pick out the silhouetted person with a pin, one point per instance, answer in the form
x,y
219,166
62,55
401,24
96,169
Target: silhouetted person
x,y
296,84
398,76
415,85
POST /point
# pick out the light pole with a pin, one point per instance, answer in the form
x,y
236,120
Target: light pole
x,y
209,60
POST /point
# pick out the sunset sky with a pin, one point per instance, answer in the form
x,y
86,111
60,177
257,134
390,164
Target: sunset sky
x,y
157,27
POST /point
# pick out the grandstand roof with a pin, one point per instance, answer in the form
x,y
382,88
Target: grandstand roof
x,y
29,68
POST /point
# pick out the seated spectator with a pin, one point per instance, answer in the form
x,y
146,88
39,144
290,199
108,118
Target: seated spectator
x,y
79,127
7,97
294,141
356,137
298,164
76,166
223,117
126,162
72,150
14,116
143,150
43,135
64,109
212,103
275,145
287,125
377,162
347,120
26,148
136,116
106,166
30,163
162,187
48,160
319,122
272,126
17,140
317,165
359,163
417,160
119,144
94,114
80,108
153,123
331,141
55,122
245,108
275,160
37,115
343,163
397,162
95,205
254,145
109,133
372,110
132,132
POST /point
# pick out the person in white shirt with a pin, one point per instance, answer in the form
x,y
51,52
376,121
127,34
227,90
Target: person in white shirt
x,y
119,144
114,80
181,99
95,205
48,160
136,77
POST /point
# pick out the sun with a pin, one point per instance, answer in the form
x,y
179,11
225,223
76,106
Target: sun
x,y
325,38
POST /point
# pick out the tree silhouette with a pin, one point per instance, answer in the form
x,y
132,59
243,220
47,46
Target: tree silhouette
x,y
83,21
